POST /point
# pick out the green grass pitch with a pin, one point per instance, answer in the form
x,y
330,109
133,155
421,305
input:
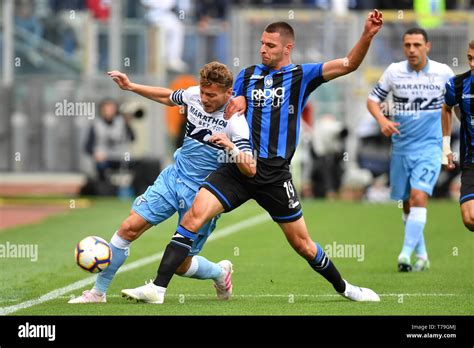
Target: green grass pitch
x,y
269,277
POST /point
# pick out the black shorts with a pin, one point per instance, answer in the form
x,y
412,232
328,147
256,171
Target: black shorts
x,y
278,198
467,184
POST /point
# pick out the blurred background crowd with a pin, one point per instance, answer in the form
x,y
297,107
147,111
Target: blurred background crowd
x,y
54,55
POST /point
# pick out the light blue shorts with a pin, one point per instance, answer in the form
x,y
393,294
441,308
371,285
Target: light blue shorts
x,y
168,195
414,171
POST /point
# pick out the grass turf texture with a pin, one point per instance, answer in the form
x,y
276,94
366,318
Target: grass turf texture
x,y
269,278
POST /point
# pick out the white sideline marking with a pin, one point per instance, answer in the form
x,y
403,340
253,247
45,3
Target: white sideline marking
x,y
295,295
136,264
278,295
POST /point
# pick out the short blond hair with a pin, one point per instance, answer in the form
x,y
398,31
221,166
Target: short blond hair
x,y
216,73
471,45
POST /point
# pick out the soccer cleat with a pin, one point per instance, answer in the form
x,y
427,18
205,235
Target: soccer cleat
x,y
404,264
359,294
421,265
88,297
223,284
147,293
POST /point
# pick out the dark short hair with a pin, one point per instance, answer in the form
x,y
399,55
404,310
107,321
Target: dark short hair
x,y
283,28
420,31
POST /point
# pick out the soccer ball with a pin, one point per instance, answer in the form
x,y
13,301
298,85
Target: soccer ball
x,y
93,254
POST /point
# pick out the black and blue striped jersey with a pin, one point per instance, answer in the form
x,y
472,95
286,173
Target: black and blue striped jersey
x,y
275,100
460,91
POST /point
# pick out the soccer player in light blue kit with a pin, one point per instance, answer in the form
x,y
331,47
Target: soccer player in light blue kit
x,y
417,87
209,140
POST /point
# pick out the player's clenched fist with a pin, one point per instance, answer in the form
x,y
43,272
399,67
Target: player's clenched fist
x,y
374,22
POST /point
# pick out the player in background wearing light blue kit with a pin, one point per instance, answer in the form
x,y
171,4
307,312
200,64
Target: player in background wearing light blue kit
x,y
209,139
417,87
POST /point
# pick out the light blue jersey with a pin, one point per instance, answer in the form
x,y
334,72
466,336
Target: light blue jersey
x,y
416,103
194,161
197,157
175,188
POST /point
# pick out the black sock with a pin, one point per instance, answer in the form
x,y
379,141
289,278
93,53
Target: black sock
x,y
175,254
326,268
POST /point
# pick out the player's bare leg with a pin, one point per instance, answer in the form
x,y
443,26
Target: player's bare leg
x,y
415,220
133,227
184,267
467,212
297,235
205,207
130,229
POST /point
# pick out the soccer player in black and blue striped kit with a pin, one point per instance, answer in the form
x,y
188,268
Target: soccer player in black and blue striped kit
x,y
460,91
275,93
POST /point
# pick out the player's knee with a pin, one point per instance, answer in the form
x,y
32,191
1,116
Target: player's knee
x,y
193,219
418,199
468,220
127,232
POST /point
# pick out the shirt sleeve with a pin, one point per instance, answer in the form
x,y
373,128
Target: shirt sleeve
x,y
449,96
313,70
312,77
180,97
239,84
382,88
239,133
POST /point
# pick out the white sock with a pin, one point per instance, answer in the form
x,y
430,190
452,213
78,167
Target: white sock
x,y
192,268
414,231
120,251
119,242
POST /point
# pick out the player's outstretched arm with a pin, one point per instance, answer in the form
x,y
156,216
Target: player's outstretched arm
x,y
343,66
244,160
158,94
387,127
446,123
